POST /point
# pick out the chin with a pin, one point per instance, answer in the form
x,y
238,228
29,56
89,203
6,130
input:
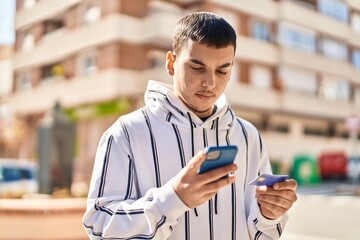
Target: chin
x,y
204,111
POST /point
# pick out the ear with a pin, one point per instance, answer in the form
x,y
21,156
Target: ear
x,y
169,65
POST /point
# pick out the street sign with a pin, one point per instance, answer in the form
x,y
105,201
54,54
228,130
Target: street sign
x,y
352,123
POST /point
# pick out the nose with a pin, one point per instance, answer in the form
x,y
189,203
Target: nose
x,y
209,81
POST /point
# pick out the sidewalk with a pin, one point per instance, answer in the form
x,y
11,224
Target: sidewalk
x,y
36,219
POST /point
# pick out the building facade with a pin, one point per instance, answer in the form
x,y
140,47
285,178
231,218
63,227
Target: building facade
x,y
296,75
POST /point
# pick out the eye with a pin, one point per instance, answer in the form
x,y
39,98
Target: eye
x,y
221,72
196,68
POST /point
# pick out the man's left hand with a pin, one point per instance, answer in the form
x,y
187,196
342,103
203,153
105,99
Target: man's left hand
x,y
275,201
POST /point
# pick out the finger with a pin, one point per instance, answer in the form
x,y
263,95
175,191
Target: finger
x,y
195,163
275,200
218,173
289,184
286,194
215,186
271,211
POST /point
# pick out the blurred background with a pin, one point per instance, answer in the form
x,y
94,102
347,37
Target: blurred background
x,y
70,68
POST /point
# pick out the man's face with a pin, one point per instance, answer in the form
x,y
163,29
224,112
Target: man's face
x,y
200,75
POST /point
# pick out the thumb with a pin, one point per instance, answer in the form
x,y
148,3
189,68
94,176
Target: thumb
x,y
195,163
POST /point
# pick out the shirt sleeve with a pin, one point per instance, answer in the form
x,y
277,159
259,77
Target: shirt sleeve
x,y
114,207
261,228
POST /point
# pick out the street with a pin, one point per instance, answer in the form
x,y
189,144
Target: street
x,y
328,216
328,211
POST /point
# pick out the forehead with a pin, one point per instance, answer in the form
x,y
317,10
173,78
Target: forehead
x,y
206,54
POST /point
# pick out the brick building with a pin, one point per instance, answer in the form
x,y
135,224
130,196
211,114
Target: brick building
x,y
296,75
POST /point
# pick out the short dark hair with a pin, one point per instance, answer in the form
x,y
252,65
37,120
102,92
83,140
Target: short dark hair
x,y
204,28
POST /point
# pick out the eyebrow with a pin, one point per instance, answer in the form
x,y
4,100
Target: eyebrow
x,y
193,60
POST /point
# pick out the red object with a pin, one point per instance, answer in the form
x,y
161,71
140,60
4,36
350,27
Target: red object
x,y
333,165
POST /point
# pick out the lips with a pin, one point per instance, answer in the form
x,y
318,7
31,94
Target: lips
x,y
205,94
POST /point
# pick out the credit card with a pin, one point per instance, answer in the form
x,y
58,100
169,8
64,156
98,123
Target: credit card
x,y
268,179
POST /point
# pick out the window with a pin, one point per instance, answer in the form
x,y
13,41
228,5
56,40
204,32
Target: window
x,y
87,62
309,130
92,14
334,8
356,58
156,59
296,37
355,22
23,81
260,77
357,96
298,80
306,3
334,49
316,127
28,4
278,124
52,71
28,41
53,25
343,91
341,131
260,30
331,89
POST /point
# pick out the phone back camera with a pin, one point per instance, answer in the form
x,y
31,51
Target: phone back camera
x,y
213,155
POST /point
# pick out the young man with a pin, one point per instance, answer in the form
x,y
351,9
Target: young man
x,y
145,182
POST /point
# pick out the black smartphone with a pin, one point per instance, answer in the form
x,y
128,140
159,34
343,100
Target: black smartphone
x,y
218,156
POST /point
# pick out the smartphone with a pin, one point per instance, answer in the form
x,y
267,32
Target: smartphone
x,y
218,156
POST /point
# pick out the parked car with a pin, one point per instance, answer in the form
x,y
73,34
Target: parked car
x,y
18,177
333,165
354,169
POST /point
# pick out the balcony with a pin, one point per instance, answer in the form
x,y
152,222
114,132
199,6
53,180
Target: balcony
x,y
42,11
254,50
102,86
319,63
115,27
309,105
293,12
270,100
158,28
74,40
267,10
314,145
247,96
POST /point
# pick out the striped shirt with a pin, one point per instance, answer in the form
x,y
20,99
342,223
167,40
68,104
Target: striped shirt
x,y
131,194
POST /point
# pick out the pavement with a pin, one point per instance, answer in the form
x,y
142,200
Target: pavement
x,y
326,211
331,189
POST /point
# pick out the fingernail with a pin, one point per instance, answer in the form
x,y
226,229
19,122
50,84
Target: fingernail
x,y
262,188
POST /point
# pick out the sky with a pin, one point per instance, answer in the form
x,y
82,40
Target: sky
x,y
7,15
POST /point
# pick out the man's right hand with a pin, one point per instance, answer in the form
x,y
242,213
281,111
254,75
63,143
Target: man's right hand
x,y
194,189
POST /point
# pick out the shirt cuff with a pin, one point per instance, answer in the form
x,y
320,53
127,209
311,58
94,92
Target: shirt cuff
x,y
169,203
264,222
